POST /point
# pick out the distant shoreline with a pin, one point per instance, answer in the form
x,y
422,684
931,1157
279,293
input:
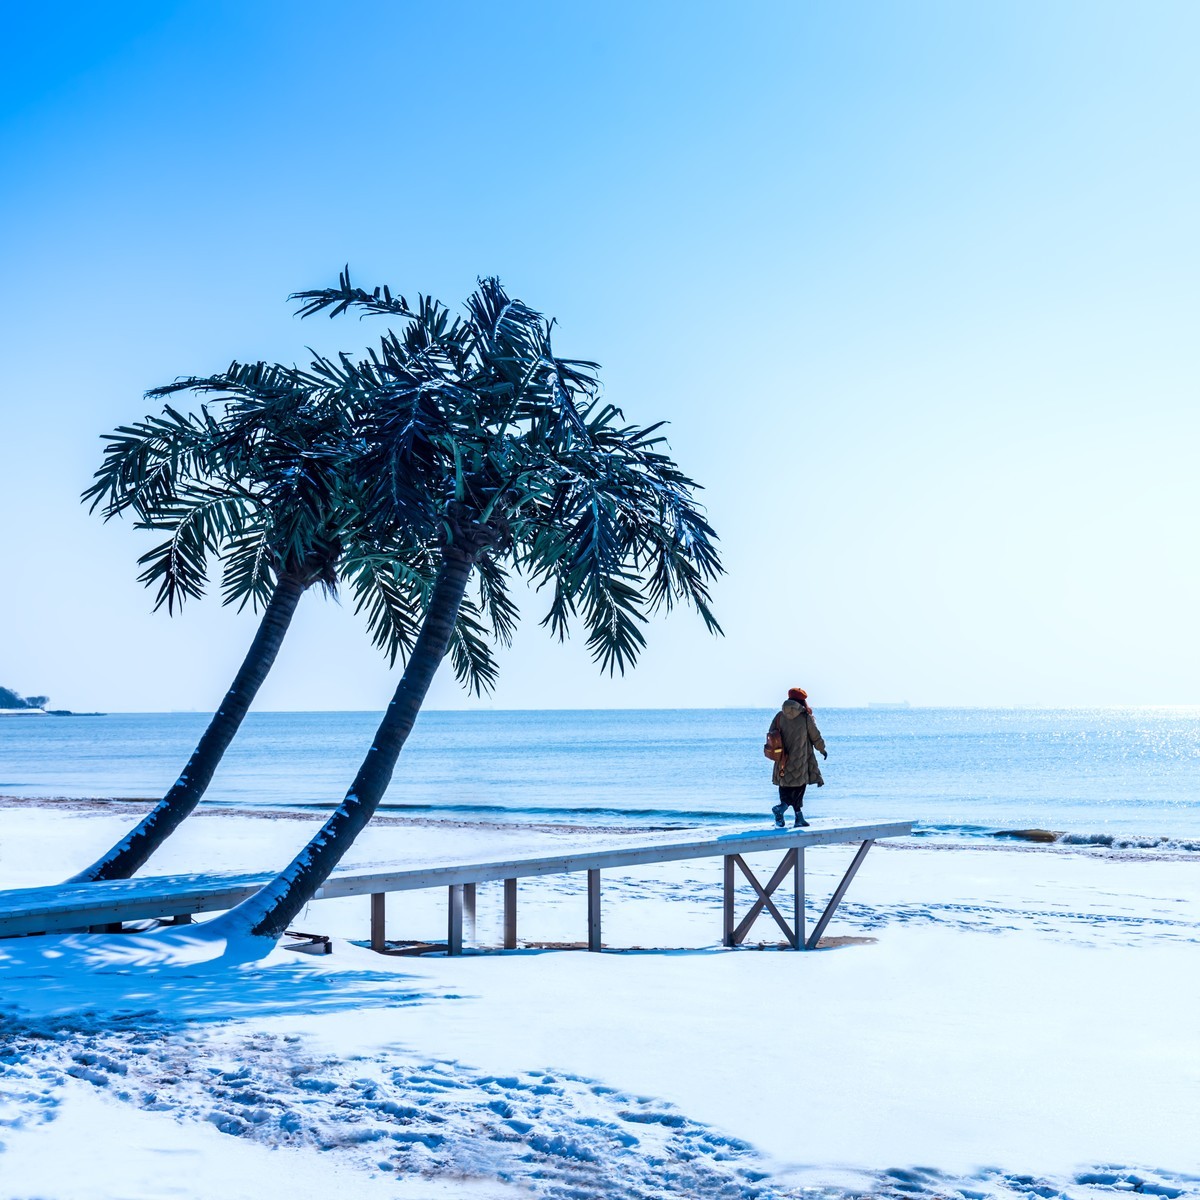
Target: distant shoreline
x,y
50,712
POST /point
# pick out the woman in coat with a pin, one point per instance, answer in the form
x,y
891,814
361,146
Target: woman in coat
x,y
796,767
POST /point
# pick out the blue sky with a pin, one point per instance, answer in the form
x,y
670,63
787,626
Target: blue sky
x,y
915,284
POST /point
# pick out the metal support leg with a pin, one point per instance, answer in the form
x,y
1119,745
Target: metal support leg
x,y
836,899
469,909
798,897
593,910
510,914
378,930
454,941
182,919
727,929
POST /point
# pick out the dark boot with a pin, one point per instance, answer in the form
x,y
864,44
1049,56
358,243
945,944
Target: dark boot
x,y
800,822
777,810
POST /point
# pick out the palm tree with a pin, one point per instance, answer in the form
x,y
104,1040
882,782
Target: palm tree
x,y
257,478
500,458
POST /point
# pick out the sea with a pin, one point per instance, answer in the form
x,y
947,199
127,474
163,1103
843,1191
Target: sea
x,y
1122,777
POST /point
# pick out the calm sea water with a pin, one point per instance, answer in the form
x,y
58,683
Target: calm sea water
x,y
1099,772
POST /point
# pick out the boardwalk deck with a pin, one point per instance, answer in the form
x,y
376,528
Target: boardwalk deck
x,y
179,897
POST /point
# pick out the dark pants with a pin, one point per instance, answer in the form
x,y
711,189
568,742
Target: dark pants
x,y
792,797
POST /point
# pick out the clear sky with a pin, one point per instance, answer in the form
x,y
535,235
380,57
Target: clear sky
x,y
916,285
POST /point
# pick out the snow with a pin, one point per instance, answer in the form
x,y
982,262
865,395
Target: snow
x,y
855,1063
1000,1020
98,1148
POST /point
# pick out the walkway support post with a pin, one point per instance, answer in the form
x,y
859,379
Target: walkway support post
x,y
510,914
454,931
593,909
798,898
727,896
378,922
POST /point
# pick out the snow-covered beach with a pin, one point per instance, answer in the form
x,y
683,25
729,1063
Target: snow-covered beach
x,y
469,471
995,1018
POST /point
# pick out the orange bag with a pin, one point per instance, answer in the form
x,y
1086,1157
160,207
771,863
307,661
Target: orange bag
x,y
773,748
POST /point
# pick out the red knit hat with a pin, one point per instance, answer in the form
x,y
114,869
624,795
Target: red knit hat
x,y
797,694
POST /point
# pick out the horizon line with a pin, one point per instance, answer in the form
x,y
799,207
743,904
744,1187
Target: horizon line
x,y
895,707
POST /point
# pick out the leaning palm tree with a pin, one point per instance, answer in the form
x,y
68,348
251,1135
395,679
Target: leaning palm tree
x,y
251,479
257,479
502,459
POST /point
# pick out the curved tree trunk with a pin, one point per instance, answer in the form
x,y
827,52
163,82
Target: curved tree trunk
x,y
269,912
136,847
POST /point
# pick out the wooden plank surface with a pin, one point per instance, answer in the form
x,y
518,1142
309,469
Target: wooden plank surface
x,y
50,909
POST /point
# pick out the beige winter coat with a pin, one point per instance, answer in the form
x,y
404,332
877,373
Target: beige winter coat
x,y
801,741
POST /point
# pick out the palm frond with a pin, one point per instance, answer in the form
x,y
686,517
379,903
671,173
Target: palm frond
x,y
199,522
392,595
346,296
465,431
470,654
495,600
143,461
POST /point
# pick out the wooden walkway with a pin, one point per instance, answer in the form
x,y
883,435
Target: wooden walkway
x,y
177,898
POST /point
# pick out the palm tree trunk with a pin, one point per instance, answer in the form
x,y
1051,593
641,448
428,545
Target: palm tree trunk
x,y
269,912
135,848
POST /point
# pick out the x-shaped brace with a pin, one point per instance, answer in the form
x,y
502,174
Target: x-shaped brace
x,y
764,898
793,862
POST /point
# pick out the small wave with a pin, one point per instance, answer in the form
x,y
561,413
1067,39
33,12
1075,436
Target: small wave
x,y
1029,835
1116,841
1108,841
922,830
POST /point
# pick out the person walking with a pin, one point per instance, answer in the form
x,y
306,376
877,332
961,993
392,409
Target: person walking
x,y
793,740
